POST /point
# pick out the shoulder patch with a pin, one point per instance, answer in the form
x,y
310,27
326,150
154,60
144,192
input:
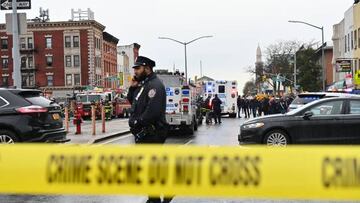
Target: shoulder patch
x,y
152,93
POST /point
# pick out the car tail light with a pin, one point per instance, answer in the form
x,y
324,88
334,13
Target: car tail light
x,y
31,109
185,100
185,108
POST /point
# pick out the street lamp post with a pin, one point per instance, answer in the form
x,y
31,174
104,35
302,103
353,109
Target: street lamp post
x,y
322,48
185,46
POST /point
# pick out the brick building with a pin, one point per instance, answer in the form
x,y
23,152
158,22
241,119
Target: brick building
x,y
60,56
110,73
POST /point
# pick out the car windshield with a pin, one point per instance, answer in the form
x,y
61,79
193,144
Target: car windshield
x,y
305,99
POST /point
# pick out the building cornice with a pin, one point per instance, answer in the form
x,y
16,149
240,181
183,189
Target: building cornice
x,y
61,24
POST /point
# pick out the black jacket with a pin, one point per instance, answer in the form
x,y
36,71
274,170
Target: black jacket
x,y
240,102
216,104
148,103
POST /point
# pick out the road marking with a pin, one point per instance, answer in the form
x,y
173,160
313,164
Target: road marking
x,y
116,139
189,142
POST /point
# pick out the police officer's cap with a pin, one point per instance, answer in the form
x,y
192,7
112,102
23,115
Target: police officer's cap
x,y
143,61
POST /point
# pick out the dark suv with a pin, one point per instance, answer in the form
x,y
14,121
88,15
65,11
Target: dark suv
x,y
26,116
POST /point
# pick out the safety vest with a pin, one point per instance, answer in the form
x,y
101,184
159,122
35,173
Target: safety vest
x,y
357,77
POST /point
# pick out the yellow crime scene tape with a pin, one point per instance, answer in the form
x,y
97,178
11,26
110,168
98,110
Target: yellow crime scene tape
x,y
319,173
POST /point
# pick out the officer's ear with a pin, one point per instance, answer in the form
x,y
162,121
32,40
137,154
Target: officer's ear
x,y
148,69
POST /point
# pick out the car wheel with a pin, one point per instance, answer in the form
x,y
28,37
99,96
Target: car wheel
x,y
232,115
191,129
276,138
7,137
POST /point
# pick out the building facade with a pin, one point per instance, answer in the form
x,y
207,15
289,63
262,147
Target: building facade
x,y
60,56
126,56
346,38
110,73
329,53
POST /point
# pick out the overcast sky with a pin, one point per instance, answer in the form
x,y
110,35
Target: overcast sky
x,y
238,26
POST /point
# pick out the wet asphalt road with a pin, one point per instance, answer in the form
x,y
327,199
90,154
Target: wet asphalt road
x,y
208,135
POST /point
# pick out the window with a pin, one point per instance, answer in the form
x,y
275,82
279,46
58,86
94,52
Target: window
x,y
5,81
31,80
77,79
4,44
30,62
76,41
22,43
5,63
221,89
48,41
349,42
3,102
327,108
23,62
68,61
30,43
50,80
352,40
355,39
345,43
76,60
68,80
359,37
354,107
67,41
49,60
23,80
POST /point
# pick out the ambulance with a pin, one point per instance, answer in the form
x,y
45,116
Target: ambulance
x,y
180,102
227,93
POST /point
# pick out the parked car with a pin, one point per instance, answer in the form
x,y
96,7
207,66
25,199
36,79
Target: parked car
x,y
305,98
25,116
325,121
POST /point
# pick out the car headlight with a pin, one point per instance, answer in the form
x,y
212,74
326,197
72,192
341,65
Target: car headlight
x,y
253,125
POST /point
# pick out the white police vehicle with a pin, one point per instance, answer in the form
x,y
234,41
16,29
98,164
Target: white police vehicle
x,y
227,93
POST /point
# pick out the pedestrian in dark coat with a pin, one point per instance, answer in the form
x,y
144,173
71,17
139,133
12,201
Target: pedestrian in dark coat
x,y
240,104
253,107
216,105
246,107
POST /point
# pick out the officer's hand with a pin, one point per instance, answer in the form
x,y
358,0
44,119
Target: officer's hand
x,y
134,83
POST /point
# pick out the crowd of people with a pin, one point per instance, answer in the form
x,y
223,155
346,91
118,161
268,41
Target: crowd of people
x,y
260,105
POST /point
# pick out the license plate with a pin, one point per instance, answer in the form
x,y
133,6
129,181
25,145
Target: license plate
x,y
56,116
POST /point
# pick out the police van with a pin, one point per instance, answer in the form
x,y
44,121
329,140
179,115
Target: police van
x,y
227,93
180,102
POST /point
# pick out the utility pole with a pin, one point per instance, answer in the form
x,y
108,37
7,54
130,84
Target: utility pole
x,y
185,47
16,45
322,49
295,70
323,59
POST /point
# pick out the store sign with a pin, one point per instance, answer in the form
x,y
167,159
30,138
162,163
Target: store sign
x,y
343,65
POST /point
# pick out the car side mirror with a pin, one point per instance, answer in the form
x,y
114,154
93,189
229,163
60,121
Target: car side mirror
x,y
308,114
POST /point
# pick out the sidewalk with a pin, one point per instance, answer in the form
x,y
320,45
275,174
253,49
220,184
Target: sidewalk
x,y
113,128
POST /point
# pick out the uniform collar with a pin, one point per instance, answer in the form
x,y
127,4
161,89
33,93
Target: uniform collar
x,y
148,78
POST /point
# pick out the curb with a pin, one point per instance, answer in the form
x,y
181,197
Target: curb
x,y
110,136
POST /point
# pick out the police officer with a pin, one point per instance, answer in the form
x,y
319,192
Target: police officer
x,y
147,96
